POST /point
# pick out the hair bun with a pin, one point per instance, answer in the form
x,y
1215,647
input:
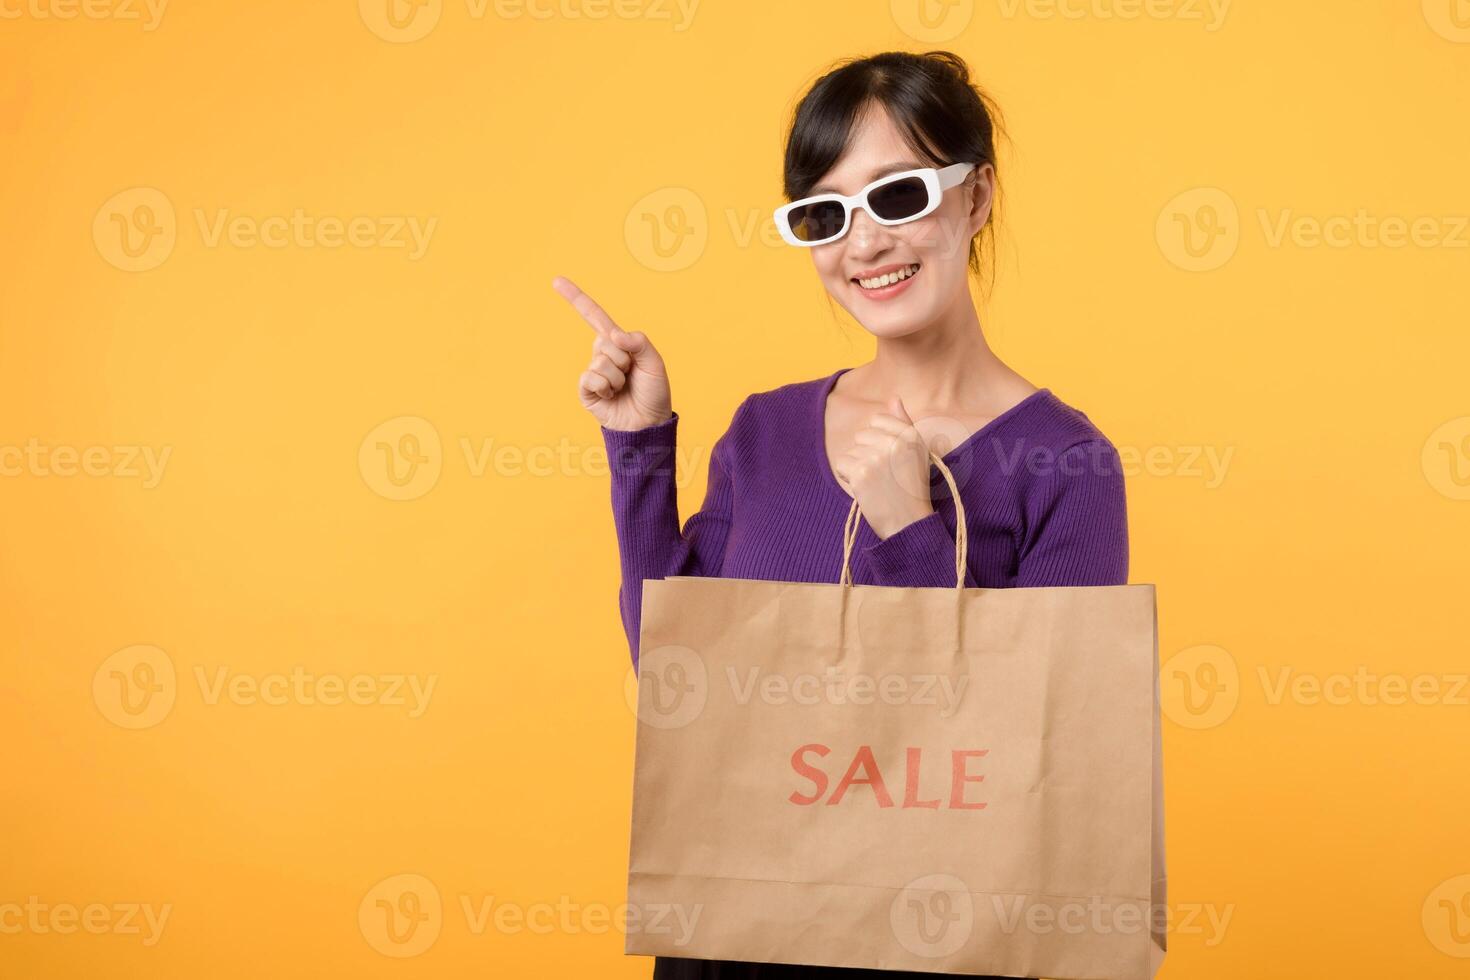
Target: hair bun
x,y
953,62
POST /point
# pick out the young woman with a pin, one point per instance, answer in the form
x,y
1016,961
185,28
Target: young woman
x,y
890,172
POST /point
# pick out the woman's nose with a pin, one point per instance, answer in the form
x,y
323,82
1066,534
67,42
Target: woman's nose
x,y
866,235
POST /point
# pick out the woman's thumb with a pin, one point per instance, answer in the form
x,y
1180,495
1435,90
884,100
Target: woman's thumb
x,y
636,343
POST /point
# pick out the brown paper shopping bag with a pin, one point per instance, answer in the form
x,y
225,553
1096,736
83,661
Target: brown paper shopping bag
x,y
940,780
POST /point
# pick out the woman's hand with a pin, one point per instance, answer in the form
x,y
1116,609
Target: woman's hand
x,y
625,386
887,471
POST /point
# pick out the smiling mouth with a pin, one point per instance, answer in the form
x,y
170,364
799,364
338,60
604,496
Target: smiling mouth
x,y
885,281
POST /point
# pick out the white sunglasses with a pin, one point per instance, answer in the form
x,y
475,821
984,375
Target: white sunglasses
x,y
890,200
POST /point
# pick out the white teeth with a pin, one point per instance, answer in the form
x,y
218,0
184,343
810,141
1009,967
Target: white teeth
x,y
888,279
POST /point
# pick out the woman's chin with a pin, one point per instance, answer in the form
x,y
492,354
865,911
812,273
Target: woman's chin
x,y
890,320
890,326
898,316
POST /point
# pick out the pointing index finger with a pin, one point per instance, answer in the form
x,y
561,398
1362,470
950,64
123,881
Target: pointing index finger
x,y
585,305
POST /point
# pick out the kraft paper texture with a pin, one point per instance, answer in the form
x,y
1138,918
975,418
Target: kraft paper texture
x,y
943,780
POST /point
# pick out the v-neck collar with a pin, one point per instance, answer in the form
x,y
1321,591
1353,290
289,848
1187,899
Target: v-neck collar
x,y
830,382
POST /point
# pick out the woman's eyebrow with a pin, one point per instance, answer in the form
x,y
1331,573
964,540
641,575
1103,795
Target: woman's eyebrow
x,y
892,168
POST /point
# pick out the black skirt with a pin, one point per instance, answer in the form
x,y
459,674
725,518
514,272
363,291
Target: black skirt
x,y
678,968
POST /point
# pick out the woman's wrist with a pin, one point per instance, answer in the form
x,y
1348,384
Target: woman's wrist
x,y
642,452
640,428
887,527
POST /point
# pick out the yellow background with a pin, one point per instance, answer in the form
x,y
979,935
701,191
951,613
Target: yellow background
x,y
1336,537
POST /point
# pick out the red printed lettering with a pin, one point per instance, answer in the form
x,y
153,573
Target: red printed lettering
x,y
865,771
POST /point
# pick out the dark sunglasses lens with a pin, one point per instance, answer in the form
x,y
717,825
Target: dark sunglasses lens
x,y
816,222
900,199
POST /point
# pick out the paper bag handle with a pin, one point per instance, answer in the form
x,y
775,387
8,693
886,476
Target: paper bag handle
x,y
850,527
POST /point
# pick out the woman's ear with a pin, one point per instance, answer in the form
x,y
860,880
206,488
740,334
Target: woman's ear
x,y
980,184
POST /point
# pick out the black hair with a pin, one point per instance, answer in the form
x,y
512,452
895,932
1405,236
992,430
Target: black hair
x,y
931,100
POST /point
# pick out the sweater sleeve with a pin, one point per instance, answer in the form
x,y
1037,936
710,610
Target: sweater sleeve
x,y
1077,521
646,513
921,553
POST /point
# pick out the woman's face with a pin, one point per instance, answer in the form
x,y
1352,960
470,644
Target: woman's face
x,y
938,243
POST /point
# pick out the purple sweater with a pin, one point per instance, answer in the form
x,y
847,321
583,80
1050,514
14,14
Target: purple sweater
x,y
1042,489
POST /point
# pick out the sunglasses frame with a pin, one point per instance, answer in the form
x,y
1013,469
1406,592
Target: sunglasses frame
x,y
936,181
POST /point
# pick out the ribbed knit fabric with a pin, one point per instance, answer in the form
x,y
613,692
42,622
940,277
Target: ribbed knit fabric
x,y
1042,489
